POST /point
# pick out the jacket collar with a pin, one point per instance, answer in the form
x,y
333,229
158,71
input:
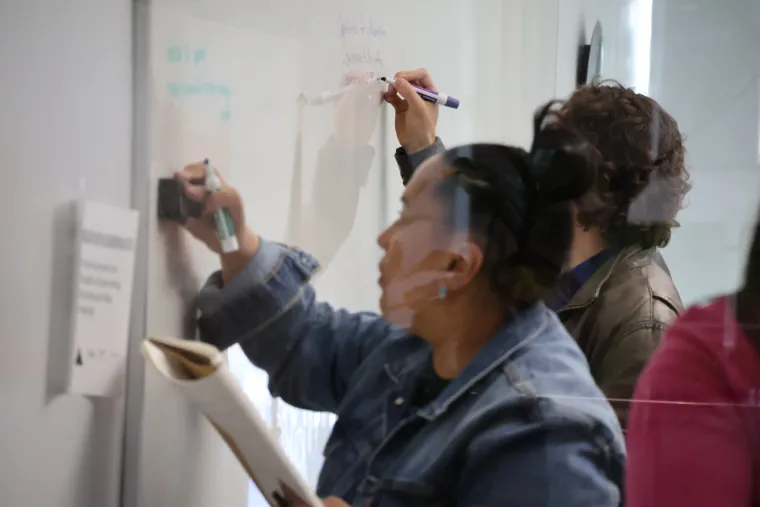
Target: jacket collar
x,y
628,258
517,332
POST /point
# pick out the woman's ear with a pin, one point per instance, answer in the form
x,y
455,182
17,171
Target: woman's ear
x,y
464,265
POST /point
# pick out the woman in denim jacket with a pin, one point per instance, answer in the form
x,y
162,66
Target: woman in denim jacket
x,y
467,390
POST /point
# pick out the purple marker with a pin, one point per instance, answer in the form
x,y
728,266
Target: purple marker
x,y
429,95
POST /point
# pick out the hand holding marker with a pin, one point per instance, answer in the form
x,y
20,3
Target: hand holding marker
x,y
425,94
429,95
222,217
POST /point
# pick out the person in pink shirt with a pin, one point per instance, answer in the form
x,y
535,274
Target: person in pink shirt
x,y
694,431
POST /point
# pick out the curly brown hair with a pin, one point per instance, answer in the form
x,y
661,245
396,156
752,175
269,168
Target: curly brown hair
x,y
641,188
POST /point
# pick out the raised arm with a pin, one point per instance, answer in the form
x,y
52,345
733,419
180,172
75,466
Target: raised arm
x,y
415,121
262,299
408,162
321,223
309,349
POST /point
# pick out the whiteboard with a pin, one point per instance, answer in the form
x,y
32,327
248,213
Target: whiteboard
x,y
221,79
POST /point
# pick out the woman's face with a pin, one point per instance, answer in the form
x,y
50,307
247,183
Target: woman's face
x,y
421,250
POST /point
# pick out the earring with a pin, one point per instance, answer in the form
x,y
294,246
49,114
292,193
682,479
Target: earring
x,y
442,292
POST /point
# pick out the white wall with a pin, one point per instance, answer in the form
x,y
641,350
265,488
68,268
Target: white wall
x,y
626,31
705,73
65,133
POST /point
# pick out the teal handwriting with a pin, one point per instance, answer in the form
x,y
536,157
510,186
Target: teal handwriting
x,y
184,53
185,89
208,89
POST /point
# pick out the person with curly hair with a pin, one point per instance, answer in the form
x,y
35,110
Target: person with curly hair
x,y
616,296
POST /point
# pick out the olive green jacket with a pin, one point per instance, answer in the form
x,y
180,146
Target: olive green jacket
x,y
618,317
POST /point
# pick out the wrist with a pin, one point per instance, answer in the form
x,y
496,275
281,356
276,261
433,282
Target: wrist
x,y
418,144
234,262
249,244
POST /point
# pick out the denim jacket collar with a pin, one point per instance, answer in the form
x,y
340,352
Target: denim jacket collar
x,y
494,353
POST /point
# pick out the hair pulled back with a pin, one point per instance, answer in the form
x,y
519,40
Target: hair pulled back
x,y
519,204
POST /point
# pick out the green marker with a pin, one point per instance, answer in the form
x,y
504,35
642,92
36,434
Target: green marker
x,y
222,217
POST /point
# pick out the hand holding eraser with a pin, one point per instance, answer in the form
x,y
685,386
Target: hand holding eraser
x,y
173,202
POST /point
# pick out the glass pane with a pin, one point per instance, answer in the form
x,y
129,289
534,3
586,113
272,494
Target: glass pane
x,y
267,90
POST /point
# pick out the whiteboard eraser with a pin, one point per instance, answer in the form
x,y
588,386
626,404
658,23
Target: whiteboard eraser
x,y
173,202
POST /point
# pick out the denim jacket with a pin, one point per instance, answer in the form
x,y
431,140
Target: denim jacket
x,y
523,425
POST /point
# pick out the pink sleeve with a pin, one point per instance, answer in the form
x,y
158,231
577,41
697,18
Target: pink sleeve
x,y
692,453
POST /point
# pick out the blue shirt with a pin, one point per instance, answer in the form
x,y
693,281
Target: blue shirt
x,y
571,282
523,425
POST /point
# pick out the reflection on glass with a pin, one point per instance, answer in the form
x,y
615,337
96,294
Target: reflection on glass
x,y
640,25
340,211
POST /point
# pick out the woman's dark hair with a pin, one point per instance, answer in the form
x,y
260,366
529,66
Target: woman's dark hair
x,y
518,204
